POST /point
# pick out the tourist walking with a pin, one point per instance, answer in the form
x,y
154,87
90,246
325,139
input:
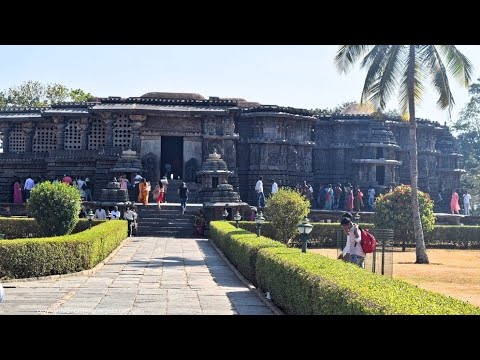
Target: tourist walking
x,y
328,197
466,203
259,190
131,217
358,201
454,206
183,194
158,193
371,196
17,192
29,184
143,191
353,246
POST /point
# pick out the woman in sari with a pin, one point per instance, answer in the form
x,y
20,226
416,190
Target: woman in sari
x,y
17,192
143,191
454,206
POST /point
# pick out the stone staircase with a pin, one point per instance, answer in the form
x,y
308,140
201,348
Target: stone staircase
x,y
167,222
172,191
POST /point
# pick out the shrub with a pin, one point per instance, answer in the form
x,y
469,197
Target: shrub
x,y
55,207
285,209
311,284
62,254
240,247
394,211
20,228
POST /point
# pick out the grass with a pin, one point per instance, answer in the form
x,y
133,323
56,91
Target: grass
x,y
455,273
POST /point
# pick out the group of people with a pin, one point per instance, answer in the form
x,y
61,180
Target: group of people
x,y
21,189
455,206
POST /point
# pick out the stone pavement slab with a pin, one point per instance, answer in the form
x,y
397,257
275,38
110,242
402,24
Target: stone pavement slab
x,y
147,276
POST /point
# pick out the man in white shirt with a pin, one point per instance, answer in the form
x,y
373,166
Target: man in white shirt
x,y
29,184
116,214
353,246
100,214
466,203
259,190
274,187
131,217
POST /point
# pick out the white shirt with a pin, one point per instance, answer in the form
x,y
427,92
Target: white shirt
x,y
274,188
371,193
350,247
130,215
100,214
137,179
116,215
259,186
467,198
29,184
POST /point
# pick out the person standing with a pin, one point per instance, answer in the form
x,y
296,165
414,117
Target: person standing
x,y
454,206
100,214
29,184
259,190
353,246
466,203
158,193
371,196
274,187
131,217
143,191
183,194
17,192
116,214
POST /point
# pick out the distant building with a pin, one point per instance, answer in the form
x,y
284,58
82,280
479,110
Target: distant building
x,y
283,143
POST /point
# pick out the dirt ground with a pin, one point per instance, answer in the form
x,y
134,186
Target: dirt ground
x,y
455,273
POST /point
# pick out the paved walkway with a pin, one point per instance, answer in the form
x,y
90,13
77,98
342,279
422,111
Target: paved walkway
x,y
146,276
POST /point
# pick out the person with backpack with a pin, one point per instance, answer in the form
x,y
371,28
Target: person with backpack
x,y
353,246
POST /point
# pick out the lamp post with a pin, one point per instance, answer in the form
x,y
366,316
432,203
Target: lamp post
x,y
237,217
90,216
225,214
259,220
304,228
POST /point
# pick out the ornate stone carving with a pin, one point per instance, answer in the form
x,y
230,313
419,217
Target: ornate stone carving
x,y
150,168
191,168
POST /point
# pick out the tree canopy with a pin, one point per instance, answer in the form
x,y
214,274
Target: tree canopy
x,y
36,94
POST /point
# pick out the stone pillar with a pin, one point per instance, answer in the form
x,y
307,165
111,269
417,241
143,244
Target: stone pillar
x,y
137,123
29,131
84,133
5,128
109,132
60,122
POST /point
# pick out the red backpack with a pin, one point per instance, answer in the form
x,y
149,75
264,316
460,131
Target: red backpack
x,y
368,241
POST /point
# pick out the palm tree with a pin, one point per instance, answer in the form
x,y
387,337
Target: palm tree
x,y
407,67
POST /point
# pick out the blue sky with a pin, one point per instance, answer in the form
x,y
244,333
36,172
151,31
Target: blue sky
x,y
298,76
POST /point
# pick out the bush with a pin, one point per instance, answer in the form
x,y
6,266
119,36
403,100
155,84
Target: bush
x,y
285,210
240,247
21,228
394,211
311,284
61,254
55,207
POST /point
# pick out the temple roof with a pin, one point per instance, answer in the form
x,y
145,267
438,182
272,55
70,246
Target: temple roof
x,y
172,95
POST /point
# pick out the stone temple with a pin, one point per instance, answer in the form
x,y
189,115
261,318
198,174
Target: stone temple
x,y
174,133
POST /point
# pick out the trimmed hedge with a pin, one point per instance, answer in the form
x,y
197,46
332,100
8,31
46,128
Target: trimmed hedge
x,y
442,236
311,284
61,254
240,247
20,228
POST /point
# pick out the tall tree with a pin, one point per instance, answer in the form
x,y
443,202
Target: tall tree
x,y
78,95
406,67
468,129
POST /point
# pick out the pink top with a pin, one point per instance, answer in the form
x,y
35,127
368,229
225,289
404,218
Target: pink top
x,y
454,202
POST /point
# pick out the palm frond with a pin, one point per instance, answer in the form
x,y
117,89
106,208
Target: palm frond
x,y
347,55
457,63
433,64
376,62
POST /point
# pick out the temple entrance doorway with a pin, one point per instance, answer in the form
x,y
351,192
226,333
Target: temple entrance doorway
x,y
172,157
380,175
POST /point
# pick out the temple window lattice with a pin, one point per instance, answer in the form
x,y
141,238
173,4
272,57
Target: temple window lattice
x,y
17,139
45,138
73,135
122,132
